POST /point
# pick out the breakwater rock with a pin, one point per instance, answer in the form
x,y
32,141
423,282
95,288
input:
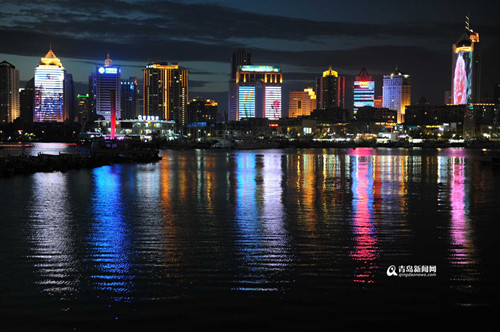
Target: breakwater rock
x,y
23,165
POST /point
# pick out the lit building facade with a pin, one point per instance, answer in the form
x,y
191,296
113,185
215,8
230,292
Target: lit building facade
x,y
239,58
466,68
9,92
397,92
364,91
330,90
166,92
301,103
49,90
129,93
259,92
106,87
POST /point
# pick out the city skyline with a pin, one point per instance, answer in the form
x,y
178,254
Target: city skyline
x,y
301,42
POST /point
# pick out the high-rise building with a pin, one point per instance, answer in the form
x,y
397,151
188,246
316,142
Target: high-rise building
x,y
239,58
165,92
9,92
82,107
129,93
259,92
466,68
105,85
330,90
301,103
396,92
69,98
49,90
26,100
364,90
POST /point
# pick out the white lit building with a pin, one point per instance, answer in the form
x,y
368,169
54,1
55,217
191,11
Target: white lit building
x,y
49,90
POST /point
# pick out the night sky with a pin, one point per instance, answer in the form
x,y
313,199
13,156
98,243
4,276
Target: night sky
x,y
303,37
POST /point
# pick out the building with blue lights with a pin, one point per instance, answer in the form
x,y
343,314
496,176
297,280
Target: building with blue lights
x,y
397,92
104,84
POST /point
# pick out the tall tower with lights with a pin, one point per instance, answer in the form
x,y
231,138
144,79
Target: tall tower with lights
x,y
106,86
466,68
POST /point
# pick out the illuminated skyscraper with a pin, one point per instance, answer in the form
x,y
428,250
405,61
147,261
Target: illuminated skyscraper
x,y
330,90
259,92
240,58
364,90
166,92
105,84
301,103
466,68
49,90
9,92
397,92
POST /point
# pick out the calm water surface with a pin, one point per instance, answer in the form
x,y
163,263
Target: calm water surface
x,y
296,239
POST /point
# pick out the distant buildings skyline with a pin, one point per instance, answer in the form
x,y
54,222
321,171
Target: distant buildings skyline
x,y
254,90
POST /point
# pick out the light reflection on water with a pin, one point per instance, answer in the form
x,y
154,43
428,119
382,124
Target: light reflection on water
x,y
51,239
229,221
109,238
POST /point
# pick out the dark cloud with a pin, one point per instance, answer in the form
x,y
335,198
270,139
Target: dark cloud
x,y
140,31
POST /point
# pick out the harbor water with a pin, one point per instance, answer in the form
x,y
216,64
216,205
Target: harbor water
x,y
297,239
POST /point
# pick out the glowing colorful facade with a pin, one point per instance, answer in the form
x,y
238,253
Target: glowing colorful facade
x,y
239,58
364,90
259,92
49,90
465,75
246,102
